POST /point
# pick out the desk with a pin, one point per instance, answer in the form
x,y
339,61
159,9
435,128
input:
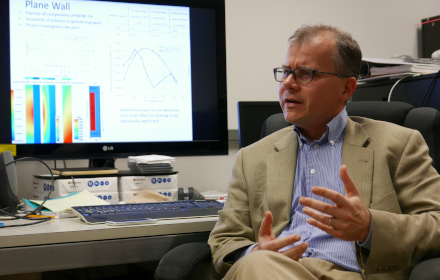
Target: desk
x,y
410,90
69,243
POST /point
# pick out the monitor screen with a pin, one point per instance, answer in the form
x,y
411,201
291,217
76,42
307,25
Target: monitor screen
x,y
114,78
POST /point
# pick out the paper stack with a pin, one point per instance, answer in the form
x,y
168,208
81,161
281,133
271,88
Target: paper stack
x,y
151,164
61,205
213,194
387,70
396,67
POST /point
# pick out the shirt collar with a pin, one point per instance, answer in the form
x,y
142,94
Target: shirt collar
x,y
334,133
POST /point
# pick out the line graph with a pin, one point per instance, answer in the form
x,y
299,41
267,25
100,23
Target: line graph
x,y
136,54
149,71
57,56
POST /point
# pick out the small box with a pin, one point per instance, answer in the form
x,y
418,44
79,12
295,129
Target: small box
x,y
110,197
171,193
63,187
138,183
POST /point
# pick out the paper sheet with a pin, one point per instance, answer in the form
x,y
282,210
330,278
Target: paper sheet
x,y
33,205
151,159
84,198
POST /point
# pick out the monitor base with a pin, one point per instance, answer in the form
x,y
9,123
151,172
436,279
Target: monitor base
x,y
102,162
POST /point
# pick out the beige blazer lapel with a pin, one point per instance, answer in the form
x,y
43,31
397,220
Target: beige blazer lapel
x,y
281,166
358,159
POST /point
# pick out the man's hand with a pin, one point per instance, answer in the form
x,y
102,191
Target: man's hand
x,y
268,241
350,219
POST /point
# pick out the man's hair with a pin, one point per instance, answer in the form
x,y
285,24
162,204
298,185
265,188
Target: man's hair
x,y
347,57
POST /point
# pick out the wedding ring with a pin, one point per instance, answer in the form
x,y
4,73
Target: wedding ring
x,y
330,222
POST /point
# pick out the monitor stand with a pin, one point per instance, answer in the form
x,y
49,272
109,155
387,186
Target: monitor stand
x,y
96,167
102,162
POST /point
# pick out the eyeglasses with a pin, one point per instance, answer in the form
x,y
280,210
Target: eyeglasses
x,y
301,75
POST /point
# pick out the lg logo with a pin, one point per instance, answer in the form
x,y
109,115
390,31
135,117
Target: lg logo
x,y
107,148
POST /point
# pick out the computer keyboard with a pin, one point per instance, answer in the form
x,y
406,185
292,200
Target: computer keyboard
x,y
154,210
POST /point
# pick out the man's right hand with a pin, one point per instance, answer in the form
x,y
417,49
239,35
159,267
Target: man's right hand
x,y
268,241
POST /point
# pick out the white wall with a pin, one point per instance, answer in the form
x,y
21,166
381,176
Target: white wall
x,y
257,34
256,41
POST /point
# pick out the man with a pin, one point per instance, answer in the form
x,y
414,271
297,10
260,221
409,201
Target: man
x,y
294,211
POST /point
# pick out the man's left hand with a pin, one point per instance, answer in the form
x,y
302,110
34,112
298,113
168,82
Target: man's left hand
x,y
348,219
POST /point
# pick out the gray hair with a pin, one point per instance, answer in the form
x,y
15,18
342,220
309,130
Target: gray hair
x,y
347,57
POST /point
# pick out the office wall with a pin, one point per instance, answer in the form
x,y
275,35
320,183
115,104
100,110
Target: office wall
x,y
256,41
257,33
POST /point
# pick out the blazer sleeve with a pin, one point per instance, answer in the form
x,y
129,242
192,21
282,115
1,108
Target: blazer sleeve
x,y
403,237
233,229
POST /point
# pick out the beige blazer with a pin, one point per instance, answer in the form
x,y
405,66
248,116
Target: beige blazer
x,y
391,167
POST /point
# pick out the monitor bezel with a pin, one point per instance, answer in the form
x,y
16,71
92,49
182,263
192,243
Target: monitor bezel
x,y
115,149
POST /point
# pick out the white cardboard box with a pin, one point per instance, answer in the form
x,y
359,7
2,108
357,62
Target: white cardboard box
x,y
171,193
110,197
138,183
64,187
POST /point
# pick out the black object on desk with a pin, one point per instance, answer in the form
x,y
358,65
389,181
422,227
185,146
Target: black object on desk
x,y
154,210
8,184
251,116
430,38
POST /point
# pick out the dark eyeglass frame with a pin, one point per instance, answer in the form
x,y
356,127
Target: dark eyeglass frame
x,y
289,71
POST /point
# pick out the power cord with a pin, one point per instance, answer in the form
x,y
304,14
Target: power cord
x,y
391,91
39,208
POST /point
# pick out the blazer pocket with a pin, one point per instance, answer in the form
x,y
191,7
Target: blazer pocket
x,y
388,203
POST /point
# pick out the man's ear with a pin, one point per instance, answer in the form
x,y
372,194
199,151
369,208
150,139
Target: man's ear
x,y
349,88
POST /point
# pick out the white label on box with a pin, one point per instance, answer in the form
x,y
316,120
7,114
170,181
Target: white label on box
x,y
171,193
127,195
110,197
137,183
63,187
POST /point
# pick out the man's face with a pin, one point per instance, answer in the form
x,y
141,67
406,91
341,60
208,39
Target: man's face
x,y
311,106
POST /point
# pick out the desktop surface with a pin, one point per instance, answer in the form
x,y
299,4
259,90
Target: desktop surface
x,y
74,230
70,243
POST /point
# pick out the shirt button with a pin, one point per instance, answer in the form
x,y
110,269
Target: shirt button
x,y
316,146
312,171
332,142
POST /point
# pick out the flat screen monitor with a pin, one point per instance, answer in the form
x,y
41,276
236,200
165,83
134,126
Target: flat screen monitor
x,y
251,117
108,79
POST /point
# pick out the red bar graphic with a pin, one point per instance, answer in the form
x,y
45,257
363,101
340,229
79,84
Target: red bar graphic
x,y
92,112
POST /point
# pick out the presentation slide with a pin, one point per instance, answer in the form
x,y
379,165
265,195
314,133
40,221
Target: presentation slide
x,y
89,71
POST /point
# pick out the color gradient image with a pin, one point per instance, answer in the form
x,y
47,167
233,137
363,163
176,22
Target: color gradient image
x,y
67,114
49,132
12,116
95,111
75,129
58,129
33,131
